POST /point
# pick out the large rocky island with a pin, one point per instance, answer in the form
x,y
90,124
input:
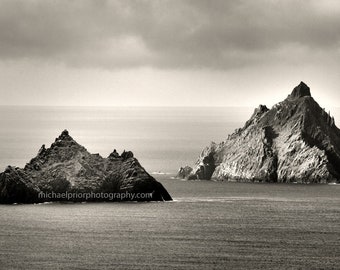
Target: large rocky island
x,y
294,141
68,168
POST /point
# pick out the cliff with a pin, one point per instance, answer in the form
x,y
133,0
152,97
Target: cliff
x,y
67,167
295,141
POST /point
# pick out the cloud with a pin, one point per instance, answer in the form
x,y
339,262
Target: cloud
x,y
168,34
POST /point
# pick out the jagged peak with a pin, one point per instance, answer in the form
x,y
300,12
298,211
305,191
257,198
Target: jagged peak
x,y
9,168
127,154
260,110
302,90
296,132
114,154
64,135
65,139
42,150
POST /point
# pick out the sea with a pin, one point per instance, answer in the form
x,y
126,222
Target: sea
x,y
208,225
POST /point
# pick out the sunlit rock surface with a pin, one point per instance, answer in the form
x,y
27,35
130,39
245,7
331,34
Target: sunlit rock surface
x,y
295,141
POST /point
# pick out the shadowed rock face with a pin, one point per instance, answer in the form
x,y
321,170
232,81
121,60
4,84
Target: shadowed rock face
x,y
68,167
295,141
301,90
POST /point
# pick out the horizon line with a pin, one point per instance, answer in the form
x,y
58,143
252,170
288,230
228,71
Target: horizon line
x,y
138,106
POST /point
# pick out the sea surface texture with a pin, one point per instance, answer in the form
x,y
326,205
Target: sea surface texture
x,y
162,139
209,225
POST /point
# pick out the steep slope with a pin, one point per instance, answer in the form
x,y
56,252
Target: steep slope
x,y
68,167
295,141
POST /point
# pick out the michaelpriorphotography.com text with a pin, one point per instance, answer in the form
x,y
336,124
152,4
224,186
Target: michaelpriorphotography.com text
x,y
71,196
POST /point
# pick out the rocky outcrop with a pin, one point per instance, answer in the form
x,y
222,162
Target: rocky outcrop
x,y
295,141
183,172
67,167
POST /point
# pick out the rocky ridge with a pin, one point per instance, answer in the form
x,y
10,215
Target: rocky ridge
x,y
66,166
295,141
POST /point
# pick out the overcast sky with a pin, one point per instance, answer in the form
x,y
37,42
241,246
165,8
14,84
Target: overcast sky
x,y
168,53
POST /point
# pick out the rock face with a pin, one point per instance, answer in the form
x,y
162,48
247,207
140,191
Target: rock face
x,y
295,141
67,167
183,172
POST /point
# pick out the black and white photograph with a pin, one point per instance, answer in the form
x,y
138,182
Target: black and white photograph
x,y
169,134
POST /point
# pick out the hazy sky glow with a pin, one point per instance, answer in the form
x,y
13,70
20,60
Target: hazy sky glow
x,y
167,53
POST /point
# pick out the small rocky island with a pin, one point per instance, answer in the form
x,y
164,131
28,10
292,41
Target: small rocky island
x,y
67,167
295,141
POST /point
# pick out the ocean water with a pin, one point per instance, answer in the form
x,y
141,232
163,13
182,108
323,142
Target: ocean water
x,y
209,225
163,139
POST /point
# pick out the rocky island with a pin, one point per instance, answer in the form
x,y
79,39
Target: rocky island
x,y
66,167
294,141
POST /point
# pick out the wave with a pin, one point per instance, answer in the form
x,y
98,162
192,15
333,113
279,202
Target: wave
x,y
160,173
233,199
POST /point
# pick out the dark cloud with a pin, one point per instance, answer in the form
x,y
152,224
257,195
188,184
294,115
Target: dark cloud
x,y
168,34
